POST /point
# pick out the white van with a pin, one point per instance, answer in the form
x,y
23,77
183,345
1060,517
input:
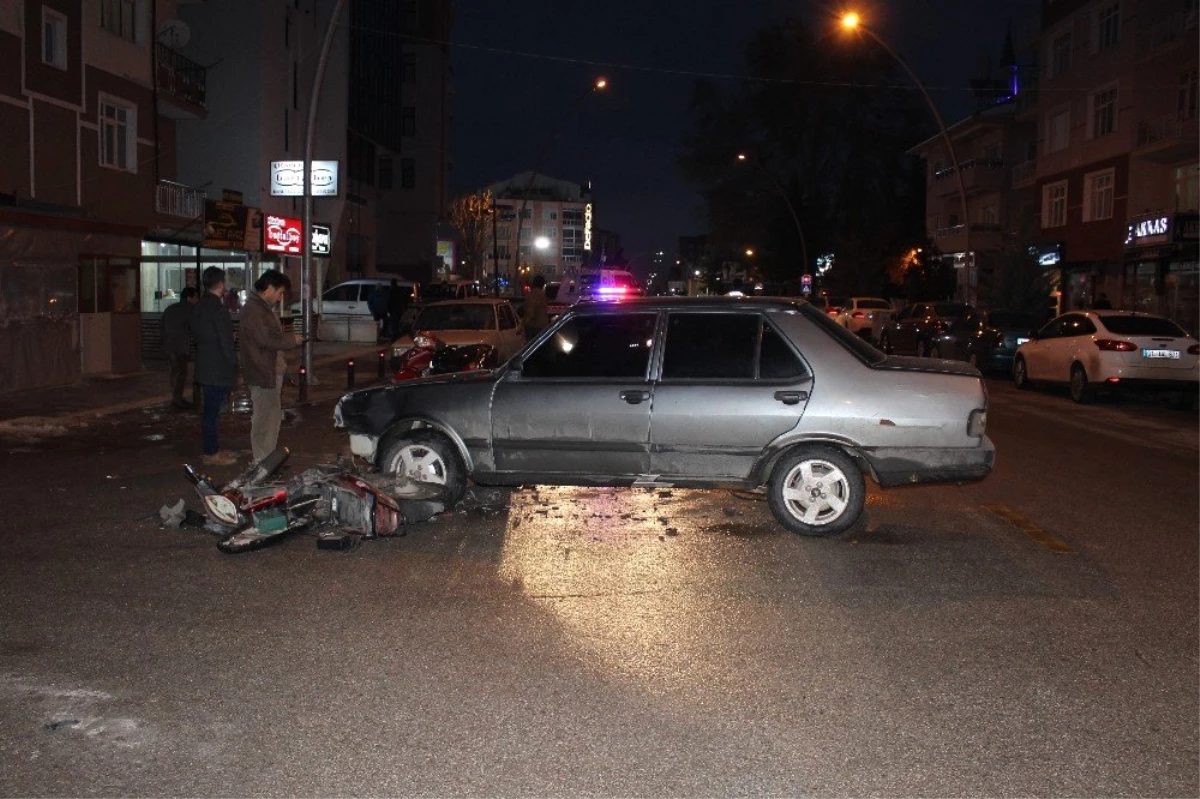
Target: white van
x,y
353,297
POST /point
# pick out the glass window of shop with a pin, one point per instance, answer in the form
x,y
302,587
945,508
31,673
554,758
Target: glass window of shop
x,y
1182,294
167,269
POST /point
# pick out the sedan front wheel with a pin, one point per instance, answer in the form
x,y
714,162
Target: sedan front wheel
x,y
817,491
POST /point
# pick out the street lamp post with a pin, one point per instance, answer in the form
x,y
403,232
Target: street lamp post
x,y
598,85
852,22
742,157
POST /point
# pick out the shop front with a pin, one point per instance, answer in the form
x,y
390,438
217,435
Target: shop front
x,y
1161,274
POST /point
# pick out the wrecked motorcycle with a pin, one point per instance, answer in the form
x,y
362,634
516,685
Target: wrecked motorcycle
x,y
429,355
251,512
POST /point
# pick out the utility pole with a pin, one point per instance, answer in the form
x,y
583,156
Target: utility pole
x,y
495,251
306,276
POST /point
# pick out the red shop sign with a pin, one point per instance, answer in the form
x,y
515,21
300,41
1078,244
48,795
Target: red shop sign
x,y
283,234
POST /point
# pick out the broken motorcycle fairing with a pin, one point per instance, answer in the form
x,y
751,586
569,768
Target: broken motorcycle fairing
x,y
250,513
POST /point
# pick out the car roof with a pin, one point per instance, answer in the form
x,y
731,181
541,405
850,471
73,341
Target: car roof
x,y
722,303
469,301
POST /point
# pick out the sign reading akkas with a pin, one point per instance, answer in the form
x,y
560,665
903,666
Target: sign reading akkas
x,y
287,178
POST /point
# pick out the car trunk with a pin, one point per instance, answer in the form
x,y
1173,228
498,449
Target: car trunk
x,y
902,363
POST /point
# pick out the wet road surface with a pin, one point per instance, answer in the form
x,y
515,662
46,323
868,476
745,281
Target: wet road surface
x,y
1033,634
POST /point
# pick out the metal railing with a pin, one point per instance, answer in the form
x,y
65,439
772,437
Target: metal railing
x,y
176,199
180,76
969,164
1024,172
1164,33
1165,128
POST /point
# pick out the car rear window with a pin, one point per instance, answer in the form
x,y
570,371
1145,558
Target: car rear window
x,y
875,304
1017,321
952,309
856,344
1142,326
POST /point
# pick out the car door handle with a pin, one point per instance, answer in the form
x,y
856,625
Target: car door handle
x,y
635,397
791,397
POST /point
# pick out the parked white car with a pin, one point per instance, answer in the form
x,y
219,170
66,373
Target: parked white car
x,y
353,297
1091,350
864,316
473,321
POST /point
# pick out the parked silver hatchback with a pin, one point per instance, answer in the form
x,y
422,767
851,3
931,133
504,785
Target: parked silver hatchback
x,y
695,392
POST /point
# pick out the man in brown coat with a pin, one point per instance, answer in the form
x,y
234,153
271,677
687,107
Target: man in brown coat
x,y
262,344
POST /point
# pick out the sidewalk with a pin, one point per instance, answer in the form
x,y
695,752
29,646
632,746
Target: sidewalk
x,y
95,397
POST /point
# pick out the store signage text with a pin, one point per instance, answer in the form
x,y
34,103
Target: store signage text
x,y
283,234
587,227
1151,230
287,178
322,239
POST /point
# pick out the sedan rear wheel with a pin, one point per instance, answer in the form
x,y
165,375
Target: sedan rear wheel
x,y
1081,390
817,491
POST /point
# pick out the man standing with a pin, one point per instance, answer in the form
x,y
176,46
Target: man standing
x,y
536,316
177,341
397,302
263,342
216,360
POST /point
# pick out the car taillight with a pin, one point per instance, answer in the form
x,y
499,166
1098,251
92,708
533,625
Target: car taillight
x,y
977,423
1194,349
858,314
1112,345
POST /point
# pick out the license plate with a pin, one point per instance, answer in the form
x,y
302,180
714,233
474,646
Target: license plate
x,y
1021,341
1172,354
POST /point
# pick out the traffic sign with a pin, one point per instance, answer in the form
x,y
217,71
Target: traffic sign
x,y
806,284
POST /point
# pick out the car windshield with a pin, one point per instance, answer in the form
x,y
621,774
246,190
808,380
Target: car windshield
x,y
473,316
1142,326
951,310
875,305
855,343
1012,321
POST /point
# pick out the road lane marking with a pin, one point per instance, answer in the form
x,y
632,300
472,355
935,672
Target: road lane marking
x,y
1029,528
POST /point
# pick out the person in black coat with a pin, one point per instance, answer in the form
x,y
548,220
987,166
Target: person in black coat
x,y
216,361
177,342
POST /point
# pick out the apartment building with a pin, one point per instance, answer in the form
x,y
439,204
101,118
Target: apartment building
x,y
556,230
90,101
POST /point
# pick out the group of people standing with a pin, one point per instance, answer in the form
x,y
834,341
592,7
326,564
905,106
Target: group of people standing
x,y
387,304
258,359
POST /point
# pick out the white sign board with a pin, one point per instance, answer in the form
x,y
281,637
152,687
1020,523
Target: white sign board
x,y
287,178
322,239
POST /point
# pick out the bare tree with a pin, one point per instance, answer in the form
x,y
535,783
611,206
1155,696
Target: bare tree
x,y
471,215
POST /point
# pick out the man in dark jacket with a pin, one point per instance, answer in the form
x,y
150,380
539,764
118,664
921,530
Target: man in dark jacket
x,y
177,342
535,313
263,342
216,360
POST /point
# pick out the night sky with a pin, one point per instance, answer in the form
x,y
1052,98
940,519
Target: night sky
x,y
627,139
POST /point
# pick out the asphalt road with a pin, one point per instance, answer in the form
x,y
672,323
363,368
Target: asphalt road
x,y
1033,634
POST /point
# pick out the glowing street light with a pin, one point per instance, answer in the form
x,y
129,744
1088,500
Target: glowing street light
x,y
850,21
749,252
542,243
600,84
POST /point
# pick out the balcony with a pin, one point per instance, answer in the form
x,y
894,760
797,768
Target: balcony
x,y
984,236
178,200
1024,173
978,175
1166,34
181,84
1167,138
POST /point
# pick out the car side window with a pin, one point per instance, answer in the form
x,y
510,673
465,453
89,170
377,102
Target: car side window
x,y
600,346
507,321
714,346
1052,329
776,360
342,294
1076,325
365,290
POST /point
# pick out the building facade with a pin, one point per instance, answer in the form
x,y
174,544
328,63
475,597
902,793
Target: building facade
x,y
555,237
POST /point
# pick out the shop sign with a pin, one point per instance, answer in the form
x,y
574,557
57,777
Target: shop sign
x,y
1148,230
1187,227
445,252
587,227
283,234
287,178
322,239
229,226
1047,254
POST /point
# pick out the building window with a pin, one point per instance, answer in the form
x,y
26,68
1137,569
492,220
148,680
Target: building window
x,y
1058,130
408,19
1104,113
408,173
990,215
54,38
1187,94
385,171
1054,204
118,134
1108,27
1187,188
1060,54
409,73
119,17
408,121
1098,196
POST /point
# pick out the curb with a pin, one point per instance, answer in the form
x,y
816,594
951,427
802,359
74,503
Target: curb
x,y
317,393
